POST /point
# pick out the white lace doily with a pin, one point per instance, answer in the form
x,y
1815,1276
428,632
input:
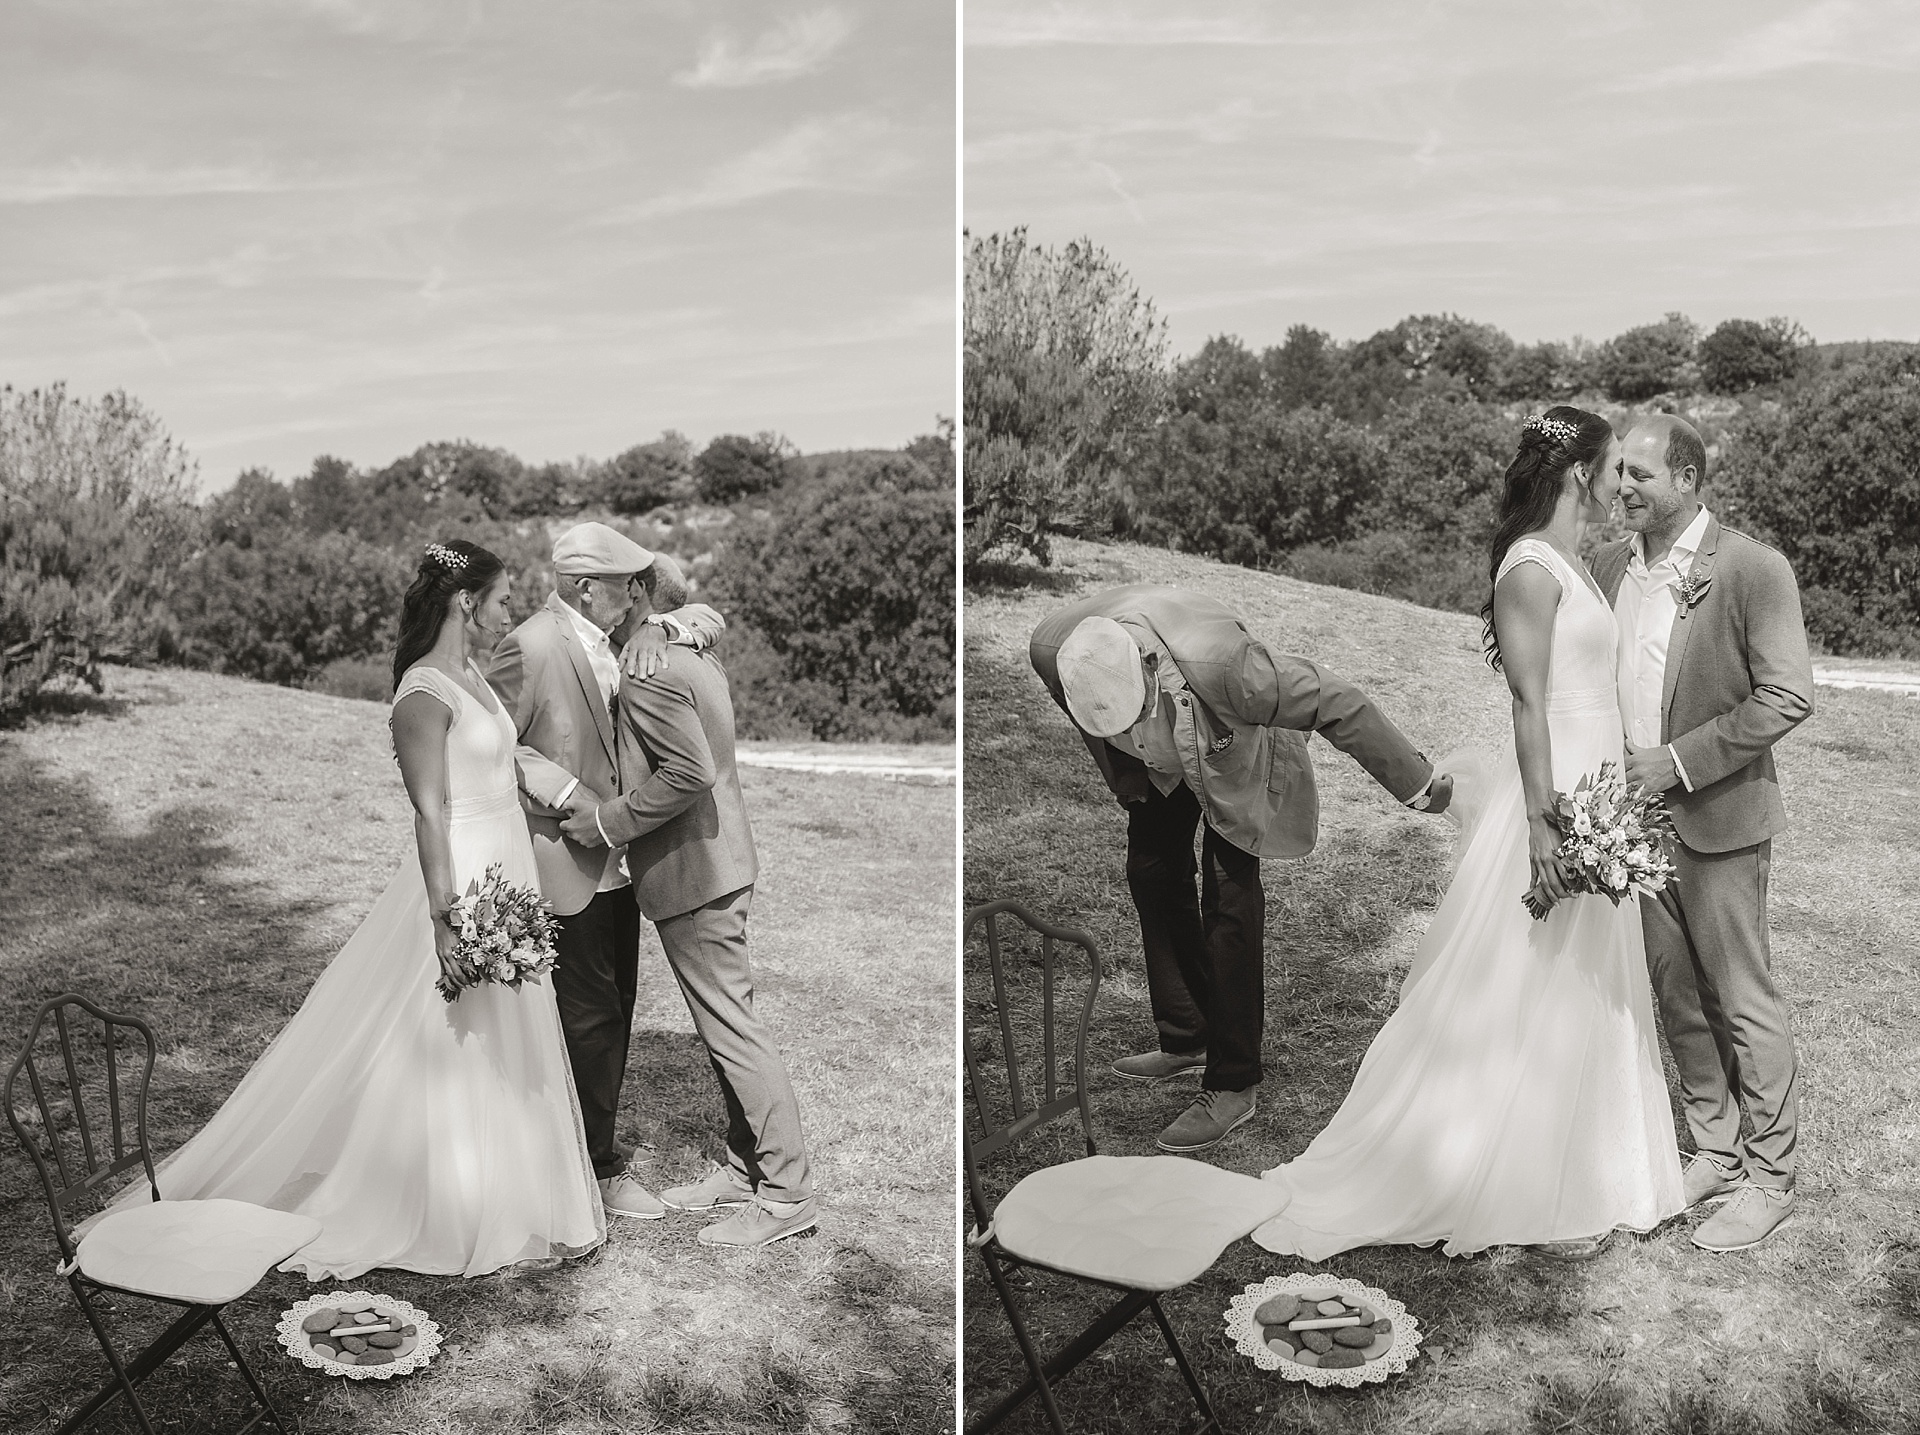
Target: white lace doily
x,y
295,1340
1245,1332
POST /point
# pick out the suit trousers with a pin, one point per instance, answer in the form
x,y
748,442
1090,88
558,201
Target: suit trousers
x,y
707,949
1206,963
1707,954
595,981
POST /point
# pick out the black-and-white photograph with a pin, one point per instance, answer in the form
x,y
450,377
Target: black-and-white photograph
x,y
1442,638
477,716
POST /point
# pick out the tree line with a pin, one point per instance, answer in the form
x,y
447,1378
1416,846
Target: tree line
x,y
1377,464
834,570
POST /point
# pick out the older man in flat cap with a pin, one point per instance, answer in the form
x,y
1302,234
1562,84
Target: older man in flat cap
x,y
559,676
1189,716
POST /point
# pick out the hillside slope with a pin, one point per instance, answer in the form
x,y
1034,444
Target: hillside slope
x,y
1655,1324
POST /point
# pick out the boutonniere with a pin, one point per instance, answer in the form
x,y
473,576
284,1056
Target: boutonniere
x,y
1692,588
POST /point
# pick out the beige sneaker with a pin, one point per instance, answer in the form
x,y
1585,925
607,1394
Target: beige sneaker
x,y
719,1187
624,1196
1754,1213
1208,1122
1708,1180
758,1224
1150,1066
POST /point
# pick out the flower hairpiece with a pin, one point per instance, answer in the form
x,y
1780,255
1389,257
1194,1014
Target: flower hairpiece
x,y
1559,430
446,557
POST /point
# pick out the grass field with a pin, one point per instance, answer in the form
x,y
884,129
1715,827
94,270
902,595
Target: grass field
x,y
194,848
1818,1330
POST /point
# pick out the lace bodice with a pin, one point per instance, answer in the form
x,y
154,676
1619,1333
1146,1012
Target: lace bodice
x,y
479,743
1585,647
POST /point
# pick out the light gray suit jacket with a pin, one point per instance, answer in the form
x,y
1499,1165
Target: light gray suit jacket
x,y
680,813
1243,715
541,672
1738,680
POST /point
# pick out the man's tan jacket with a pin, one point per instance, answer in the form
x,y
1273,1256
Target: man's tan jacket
x,y
1241,716
1738,680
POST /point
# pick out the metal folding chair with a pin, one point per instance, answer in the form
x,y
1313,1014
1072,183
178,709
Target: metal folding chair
x,y
196,1255
1072,1218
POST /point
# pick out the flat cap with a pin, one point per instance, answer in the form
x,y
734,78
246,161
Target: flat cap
x,y
1100,677
595,549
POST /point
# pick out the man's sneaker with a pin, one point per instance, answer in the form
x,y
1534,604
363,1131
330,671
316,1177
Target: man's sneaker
x,y
1583,1248
1159,1065
624,1196
1754,1213
1708,1180
759,1223
1208,1121
719,1187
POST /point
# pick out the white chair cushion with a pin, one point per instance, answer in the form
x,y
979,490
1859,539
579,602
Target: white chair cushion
x,y
205,1252
1147,1222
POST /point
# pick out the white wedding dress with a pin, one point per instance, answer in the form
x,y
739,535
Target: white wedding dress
x,y
432,1136
1515,1095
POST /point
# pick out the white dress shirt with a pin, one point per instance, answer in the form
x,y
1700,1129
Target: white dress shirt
x,y
1645,610
606,667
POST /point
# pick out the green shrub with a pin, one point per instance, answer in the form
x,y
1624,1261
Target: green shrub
x,y
291,604
850,580
94,507
1832,479
1253,483
1652,359
734,466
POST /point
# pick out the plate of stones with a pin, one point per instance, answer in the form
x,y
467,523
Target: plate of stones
x,y
1279,1323
371,1322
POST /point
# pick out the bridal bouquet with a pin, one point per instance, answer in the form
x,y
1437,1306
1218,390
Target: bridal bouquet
x,y
506,934
1613,840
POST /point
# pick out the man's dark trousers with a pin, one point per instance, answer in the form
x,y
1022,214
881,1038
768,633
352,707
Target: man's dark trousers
x,y
1206,974
595,982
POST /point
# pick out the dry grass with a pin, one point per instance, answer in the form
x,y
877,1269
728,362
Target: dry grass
x,y
1819,1330
194,848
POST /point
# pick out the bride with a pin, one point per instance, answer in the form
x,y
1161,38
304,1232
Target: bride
x,y
425,1135
1515,1096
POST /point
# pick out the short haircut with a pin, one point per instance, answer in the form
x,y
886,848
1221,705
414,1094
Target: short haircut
x,y
665,584
1683,448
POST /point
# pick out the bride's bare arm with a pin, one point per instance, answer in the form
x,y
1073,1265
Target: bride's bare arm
x,y
420,723
1524,603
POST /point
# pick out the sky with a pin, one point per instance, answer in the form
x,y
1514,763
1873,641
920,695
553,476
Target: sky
x,y
350,227
1555,169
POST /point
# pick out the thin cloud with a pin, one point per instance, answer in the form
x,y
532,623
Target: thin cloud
x,y
845,152
87,180
1018,26
1836,32
792,48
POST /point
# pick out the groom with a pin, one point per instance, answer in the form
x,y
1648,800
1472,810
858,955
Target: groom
x,y
682,819
1189,716
558,674
1713,672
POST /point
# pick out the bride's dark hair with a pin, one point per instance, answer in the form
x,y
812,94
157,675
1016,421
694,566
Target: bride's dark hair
x,y
455,566
1549,446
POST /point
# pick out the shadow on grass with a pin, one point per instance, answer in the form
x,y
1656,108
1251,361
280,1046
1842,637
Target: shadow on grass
x,y
136,923
1011,575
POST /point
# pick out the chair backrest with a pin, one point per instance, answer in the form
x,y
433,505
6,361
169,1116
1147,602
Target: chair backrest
x,y
77,1060
1032,1095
